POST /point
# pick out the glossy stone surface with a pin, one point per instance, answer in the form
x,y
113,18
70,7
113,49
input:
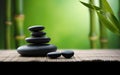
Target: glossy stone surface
x,y
38,34
68,54
36,28
36,49
39,40
38,43
54,55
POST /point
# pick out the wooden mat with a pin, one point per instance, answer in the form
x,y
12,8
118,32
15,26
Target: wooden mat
x,y
80,56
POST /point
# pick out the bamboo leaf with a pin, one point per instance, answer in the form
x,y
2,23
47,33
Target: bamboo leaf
x,y
106,6
108,24
106,16
110,14
90,6
113,19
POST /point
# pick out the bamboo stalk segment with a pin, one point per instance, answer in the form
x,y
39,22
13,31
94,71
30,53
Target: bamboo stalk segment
x,y
103,33
8,24
119,11
92,35
19,21
2,24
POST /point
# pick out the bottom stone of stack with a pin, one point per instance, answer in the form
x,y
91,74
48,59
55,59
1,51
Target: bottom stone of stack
x,y
36,50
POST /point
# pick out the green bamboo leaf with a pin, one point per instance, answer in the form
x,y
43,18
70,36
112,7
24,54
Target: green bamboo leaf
x,y
106,16
108,24
106,6
113,19
90,6
110,14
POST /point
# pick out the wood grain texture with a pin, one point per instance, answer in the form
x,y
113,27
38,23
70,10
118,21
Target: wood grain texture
x,y
80,56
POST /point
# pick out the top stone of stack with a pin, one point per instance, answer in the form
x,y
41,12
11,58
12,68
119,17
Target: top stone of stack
x,y
36,28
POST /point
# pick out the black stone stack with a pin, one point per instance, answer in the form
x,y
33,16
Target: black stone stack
x,y
38,43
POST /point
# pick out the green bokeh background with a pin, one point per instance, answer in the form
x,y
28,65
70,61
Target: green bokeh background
x,y
66,22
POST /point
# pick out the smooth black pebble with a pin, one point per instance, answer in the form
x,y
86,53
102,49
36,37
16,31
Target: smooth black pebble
x,y
38,40
67,54
38,34
36,28
54,55
36,49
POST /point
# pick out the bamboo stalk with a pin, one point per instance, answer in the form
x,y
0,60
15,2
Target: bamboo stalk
x,y
2,24
19,21
8,24
103,33
92,34
119,11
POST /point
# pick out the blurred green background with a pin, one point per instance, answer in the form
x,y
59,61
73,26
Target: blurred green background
x,y
66,22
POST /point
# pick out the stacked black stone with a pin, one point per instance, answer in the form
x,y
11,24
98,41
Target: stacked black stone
x,y
38,43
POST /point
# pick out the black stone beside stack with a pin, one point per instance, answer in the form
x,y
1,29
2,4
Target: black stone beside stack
x,y
38,43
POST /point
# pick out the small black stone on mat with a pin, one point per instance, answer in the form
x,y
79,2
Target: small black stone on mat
x,y
66,54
